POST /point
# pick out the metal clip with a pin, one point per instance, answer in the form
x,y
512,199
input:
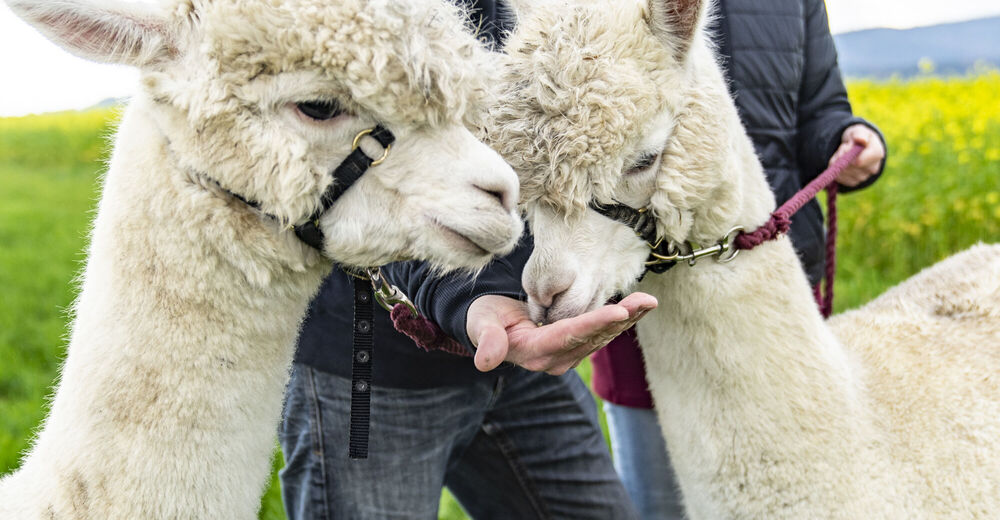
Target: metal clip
x,y
723,250
386,294
728,251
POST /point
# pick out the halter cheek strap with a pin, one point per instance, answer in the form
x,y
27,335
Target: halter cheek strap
x,y
345,175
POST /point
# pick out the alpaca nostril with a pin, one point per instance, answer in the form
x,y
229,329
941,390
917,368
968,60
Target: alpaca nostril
x,y
547,301
545,309
501,195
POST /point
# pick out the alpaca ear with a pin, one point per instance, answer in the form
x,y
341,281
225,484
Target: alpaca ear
x,y
675,23
106,32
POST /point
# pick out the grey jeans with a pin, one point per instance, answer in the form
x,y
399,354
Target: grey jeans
x,y
519,446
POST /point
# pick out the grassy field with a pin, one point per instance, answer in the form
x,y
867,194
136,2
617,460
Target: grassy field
x,y
940,194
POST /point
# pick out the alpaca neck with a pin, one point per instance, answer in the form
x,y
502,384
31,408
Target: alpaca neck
x,y
759,402
180,350
757,399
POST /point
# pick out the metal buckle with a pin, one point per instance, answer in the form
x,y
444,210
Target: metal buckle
x,y
722,250
386,294
357,142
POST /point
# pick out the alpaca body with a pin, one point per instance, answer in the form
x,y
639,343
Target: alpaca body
x,y
766,415
891,411
191,299
931,350
177,360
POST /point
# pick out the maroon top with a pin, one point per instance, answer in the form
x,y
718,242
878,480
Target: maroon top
x,y
619,373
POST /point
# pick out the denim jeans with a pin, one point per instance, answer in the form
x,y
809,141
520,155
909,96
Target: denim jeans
x,y
642,461
518,446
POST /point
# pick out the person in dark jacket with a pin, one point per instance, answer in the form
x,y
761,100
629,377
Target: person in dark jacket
x,y
509,443
781,64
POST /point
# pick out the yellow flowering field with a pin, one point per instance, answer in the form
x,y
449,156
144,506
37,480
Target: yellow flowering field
x,y
940,192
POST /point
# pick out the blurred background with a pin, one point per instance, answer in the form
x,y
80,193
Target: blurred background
x,y
926,72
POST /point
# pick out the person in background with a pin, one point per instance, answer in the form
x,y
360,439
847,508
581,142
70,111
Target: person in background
x,y
509,443
780,60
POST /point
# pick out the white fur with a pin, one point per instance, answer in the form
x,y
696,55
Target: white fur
x,y
891,411
190,301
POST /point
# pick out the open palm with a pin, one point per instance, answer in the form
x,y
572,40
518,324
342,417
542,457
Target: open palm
x,y
502,331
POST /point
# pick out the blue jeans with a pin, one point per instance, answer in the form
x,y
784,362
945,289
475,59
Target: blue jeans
x,y
518,446
642,461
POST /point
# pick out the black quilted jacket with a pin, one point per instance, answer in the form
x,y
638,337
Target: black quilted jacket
x,y
782,66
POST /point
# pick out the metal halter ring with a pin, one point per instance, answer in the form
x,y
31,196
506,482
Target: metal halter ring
x,y
728,251
357,142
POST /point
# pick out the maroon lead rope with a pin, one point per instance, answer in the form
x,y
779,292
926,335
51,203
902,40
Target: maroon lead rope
x,y
428,336
781,219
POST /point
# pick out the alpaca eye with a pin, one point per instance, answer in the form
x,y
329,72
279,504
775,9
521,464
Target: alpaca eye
x,y
643,163
320,110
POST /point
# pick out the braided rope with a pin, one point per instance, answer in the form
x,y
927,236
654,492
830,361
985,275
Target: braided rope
x,y
781,220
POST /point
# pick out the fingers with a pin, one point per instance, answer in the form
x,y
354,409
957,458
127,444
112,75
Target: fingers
x,y
857,134
841,150
492,347
578,348
867,163
871,157
852,176
557,347
564,334
638,302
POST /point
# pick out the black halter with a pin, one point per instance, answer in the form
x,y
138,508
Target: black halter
x,y
644,224
365,288
344,176
664,254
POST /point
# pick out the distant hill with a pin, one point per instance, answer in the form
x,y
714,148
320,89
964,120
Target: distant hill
x,y
952,48
109,102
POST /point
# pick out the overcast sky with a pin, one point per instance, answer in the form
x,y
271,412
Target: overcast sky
x,y
40,77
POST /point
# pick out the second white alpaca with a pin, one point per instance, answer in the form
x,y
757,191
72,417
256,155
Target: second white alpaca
x,y
890,412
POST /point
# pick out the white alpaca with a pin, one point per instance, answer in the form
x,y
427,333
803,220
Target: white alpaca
x,y
191,299
890,412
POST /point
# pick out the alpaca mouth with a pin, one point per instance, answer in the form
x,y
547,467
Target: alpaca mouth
x,y
461,240
563,306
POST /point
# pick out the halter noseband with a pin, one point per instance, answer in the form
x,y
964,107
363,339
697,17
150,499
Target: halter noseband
x,y
665,254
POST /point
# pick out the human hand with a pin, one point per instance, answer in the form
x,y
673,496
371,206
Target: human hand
x,y
502,331
868,161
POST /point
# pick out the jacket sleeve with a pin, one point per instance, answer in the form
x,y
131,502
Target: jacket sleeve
x,y
445,299
824,111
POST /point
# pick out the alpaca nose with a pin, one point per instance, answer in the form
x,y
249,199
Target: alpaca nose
x,y
505,193
548,293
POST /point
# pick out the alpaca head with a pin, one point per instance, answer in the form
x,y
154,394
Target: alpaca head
x,y
264,98
605,105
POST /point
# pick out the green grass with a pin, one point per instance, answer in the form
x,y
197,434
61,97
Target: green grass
x,y
940,194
